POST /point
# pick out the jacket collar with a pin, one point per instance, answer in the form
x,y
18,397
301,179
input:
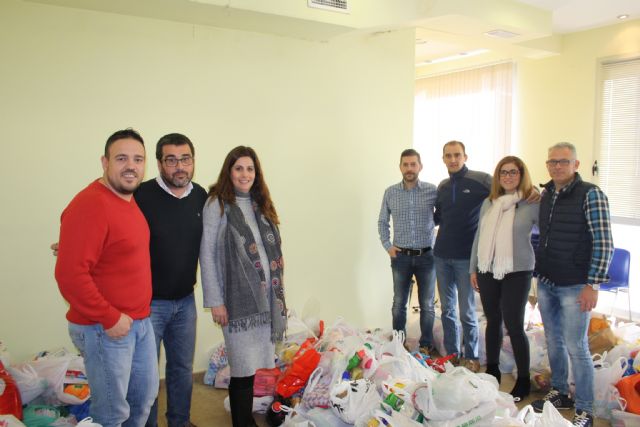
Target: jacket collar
x,y
462,172
550,186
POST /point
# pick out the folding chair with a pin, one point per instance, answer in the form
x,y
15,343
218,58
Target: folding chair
x,y
619,276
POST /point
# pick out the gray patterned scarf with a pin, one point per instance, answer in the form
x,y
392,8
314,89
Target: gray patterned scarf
x,y
247,299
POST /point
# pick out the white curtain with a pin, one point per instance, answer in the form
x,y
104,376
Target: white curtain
x,y
473,106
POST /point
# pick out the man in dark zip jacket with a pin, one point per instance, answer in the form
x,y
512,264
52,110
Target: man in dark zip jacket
x,y
457,209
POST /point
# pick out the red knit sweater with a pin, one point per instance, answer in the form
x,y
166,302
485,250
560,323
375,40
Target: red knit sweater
x,y
103,267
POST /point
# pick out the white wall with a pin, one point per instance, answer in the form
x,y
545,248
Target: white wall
x,y
327,119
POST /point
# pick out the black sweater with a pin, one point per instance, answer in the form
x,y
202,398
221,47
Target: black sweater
x,y
176,229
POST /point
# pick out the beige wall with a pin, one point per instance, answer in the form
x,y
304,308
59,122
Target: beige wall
x,y
327,119
557,95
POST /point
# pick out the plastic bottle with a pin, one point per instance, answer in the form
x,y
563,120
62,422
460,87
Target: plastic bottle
x,y
394,401
354,361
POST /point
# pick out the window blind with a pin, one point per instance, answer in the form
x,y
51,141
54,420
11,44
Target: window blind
x,y
473,106
619,138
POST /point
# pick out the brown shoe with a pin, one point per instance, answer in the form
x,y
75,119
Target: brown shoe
x,y
429,351
472,364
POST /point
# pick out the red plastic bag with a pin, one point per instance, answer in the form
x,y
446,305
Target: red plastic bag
x,y
295,377
10,402
264,383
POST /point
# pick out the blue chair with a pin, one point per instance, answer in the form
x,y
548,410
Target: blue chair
x,y
619,276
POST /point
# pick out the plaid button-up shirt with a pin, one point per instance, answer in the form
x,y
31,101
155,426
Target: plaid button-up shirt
x,y
412,213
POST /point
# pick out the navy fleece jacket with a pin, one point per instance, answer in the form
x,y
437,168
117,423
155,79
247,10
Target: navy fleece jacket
x,y
457,212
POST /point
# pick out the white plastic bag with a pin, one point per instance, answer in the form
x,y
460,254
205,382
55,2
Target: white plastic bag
x,y
624,419
462,390
58,369
425,403
317,416
392,418
350,399
260,404
550,417
88,422
10,421
28,381
606,395
480,416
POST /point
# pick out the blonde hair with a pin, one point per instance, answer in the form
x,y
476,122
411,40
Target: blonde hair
x,y
525,187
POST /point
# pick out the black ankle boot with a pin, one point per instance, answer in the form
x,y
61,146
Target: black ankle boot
x,y
521,389
241,402
493,369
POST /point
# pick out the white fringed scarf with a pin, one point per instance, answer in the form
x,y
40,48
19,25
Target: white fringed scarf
x,y
495,243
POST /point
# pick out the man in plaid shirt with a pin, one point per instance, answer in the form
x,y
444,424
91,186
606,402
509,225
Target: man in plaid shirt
x,y
411,204
571,261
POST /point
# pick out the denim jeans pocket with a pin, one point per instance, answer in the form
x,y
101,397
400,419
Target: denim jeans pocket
x,y
77,337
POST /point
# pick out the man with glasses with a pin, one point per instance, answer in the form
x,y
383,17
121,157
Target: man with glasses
x,y
572,261
172,205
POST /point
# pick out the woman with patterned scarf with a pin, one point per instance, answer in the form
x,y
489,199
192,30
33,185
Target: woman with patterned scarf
x,y
502,262
241,266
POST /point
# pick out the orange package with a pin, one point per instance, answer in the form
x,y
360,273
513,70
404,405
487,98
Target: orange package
x,y
81,391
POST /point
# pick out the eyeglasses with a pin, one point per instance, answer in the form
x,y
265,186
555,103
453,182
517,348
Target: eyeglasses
x,y
512,172
561,162
173,161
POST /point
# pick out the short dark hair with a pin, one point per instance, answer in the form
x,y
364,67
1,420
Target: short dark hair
x,y
173,139
122,134
454,142
410,152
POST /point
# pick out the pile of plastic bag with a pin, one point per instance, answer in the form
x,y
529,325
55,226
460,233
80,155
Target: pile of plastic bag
x,y
344,376
50,390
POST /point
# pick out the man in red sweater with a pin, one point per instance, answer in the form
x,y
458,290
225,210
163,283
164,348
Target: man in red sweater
x,y
103,271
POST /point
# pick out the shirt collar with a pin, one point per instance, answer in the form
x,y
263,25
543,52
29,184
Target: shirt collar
x,y
164,186
418,185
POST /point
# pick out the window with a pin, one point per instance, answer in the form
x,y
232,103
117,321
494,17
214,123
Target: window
x,y
618,155
619,138
473,106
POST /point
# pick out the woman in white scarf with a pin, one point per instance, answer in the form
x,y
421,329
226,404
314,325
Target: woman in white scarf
x,y
502,262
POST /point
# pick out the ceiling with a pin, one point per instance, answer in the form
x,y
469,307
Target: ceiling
x,y
576,15
443,28
435,41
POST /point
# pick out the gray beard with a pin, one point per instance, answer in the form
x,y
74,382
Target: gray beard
x,y
175,183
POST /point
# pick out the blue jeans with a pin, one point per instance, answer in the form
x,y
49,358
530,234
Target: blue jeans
x,y
122,372
174,324
455,289
404,267
565,329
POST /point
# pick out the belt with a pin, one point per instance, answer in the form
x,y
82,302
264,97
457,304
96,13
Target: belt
x,y
414,252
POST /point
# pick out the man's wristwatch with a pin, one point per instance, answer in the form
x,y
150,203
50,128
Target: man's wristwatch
x,y
595,286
